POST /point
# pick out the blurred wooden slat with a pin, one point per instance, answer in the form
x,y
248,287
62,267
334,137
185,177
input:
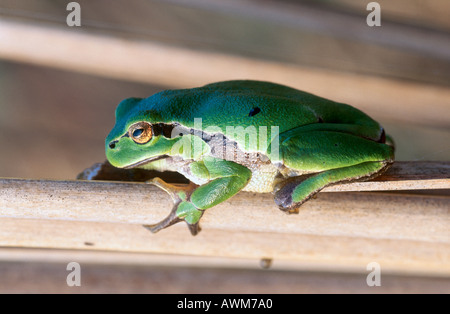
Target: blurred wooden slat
x,y
181,67
85,256
298,33
332,253
19,276
431,13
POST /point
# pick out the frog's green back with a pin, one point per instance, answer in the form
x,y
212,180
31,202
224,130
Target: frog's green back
x,y
244,104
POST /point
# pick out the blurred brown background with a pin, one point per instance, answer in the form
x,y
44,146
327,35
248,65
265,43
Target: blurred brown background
x,y
59,85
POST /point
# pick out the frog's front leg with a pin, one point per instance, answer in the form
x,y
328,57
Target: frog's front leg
x,y
178,194
225,179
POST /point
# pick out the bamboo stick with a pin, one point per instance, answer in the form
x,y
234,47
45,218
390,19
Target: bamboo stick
x,y
404,233
107,201
416,175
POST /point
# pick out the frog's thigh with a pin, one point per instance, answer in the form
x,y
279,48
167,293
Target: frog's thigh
x,y
227,179
297,190
336,157
323,150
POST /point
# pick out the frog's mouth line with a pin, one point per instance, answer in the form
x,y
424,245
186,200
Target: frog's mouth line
x,y
145,161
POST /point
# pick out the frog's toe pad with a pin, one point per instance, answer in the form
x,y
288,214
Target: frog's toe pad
x,y
194,228
283,201
284,197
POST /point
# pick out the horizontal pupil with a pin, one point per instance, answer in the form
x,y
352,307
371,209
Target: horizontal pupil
x,y
138,132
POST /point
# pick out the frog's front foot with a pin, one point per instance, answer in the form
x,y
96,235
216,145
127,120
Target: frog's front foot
x,y
183,209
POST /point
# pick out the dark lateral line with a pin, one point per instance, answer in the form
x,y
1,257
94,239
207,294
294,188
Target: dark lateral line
x,y
163,129
382,137
166,130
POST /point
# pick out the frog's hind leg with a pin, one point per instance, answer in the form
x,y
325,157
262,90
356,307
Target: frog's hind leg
x,y
333,157
295,191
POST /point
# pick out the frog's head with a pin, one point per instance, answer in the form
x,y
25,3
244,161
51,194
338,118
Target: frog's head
x,y
138,137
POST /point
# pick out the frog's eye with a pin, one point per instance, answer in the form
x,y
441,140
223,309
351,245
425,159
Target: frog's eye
x,y
141,132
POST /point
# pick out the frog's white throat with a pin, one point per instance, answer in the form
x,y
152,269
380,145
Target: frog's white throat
x,y
145,161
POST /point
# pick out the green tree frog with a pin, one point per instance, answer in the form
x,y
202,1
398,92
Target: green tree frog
x,y
245,135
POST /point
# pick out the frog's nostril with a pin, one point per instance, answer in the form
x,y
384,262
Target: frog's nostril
x,y
112,145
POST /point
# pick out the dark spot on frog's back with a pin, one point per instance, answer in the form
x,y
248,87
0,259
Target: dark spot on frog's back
x,y
254,111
